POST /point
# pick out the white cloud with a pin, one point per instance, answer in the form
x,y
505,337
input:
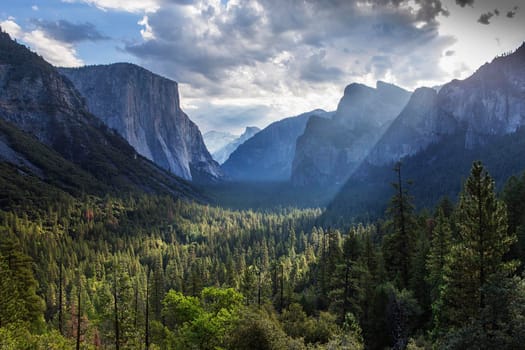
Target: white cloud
x,y
55,52
134,6
34,8
291,56
146,32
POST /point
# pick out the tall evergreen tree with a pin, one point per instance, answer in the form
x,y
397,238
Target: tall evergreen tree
x,y
474,267
398,245
439,249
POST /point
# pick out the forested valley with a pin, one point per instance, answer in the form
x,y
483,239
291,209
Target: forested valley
x,y
150,272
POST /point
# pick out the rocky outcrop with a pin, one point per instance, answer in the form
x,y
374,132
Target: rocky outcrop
x,y
144,108
330,150
268,155
222,154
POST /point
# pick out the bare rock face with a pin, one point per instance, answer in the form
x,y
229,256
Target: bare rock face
x,y
144,108
330,150
491,102
413,130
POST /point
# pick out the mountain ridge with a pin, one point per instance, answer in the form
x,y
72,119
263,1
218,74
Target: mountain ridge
x,y
329,151
268,155
481,117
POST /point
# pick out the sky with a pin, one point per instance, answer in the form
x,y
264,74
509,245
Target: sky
x,y
249,63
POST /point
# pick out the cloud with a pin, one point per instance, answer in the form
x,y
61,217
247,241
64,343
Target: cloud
x,y
290,55
54,51
146,32
210,40
133,6
485,17
463,3
316,70
449,53
512,13
67,32
229,117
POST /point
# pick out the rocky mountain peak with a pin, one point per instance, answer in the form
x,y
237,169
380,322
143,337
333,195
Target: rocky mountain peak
x,y
250,130
223,153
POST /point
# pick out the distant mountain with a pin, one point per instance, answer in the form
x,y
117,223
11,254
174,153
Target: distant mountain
x,y
144,108
48,132
438,135
268,155
222,154
215,140
330,150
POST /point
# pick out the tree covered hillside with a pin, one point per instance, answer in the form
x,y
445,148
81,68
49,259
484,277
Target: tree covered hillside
x,y
146,271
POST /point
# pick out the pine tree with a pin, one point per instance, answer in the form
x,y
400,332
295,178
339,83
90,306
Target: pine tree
x,y
474,267
398,246
439,248
17,267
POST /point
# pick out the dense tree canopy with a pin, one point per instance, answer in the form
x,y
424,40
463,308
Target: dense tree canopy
x,y
144,271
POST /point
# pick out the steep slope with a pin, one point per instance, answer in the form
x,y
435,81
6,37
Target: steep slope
x,y
36,99
269,154
330,150
222,154
490,102
437,137
418,125
144,108
215,140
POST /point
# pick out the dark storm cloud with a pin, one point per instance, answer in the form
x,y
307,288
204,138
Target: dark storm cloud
x,y
485,18
512,12
464,3
68,32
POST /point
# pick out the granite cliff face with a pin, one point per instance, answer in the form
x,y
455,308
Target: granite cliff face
x,y
268,155
413,130
489,103
36,99
144,108
330,150
223,153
